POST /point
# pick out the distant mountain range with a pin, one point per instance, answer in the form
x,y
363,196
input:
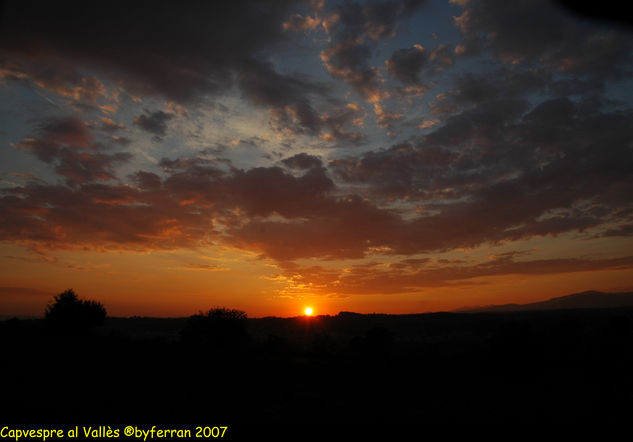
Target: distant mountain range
x,y
589,299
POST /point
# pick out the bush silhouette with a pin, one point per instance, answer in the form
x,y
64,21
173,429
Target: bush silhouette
x,y
219,328
69,313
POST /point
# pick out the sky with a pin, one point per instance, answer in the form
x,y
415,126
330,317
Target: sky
x,y
397,156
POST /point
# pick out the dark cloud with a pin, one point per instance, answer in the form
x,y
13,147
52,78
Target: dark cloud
x,y
515,82
473,88
154,122
406,277
298,22
23,291
353,28
335,123
491,119
374,20
402,171
474,92
287,95
208,267
147,180
123,141
551,170
624,229
302,161
500,169
98,217
611,11
183,52
181,210
442,56
331,228
540,30
289,99
406,64
503,171
53,75
68,145
180,51
263,191
69,131
348,61
174,212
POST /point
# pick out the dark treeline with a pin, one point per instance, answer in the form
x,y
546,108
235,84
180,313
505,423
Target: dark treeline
x,y
221,368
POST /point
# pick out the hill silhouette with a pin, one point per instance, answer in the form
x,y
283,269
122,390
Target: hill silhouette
x,y
584,300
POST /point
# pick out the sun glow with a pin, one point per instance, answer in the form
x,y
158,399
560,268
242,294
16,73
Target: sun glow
x,y
308,311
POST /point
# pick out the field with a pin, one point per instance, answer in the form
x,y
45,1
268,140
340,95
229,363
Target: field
x,y
350,370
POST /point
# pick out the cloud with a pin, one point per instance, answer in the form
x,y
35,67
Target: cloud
x,y
109,125
179,211
63,80
406,64
472,88
287,96
331,228
499,169
23,291
68,145
289,100
205,267
562,42
154,122
182,52
466,198
95,216
182,209
186,53
529,148
302,161
353,28
384,118
262,191
441,57
298,22
334,125
348,61
401,171
411,277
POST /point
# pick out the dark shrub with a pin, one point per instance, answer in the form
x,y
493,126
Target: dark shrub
x,y
69,313
219,328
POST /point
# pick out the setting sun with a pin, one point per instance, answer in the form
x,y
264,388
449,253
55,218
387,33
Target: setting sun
x,y
308,311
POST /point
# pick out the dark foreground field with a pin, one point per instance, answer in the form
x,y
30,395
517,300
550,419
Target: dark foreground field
x,y
522,369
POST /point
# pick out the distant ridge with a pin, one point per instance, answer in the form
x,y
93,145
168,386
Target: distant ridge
x,y
588,299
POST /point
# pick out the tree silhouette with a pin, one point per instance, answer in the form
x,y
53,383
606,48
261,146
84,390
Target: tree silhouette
x,y
69,313
219,328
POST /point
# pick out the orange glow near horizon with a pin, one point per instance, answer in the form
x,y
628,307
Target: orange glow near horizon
x,y
181,283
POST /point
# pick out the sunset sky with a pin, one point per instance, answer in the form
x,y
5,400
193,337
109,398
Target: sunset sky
x,y
396,156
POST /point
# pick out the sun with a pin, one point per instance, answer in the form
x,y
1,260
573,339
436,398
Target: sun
x,y
308,311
